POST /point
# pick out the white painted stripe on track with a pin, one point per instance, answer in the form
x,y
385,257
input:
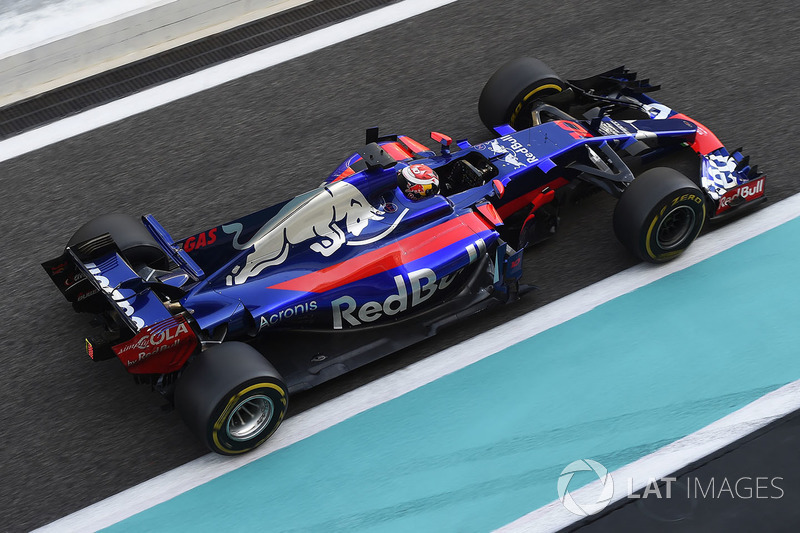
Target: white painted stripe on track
x,y
679,454
317,419
672,457
212,77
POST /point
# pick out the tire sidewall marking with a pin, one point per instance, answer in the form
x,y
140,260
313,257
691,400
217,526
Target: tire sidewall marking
x,y
689,199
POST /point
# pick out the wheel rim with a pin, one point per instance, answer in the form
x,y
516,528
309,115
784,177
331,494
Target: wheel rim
x,y
522,118
675,228
249,418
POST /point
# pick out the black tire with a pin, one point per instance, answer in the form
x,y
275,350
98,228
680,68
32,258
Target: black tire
x,y
659,215
231,398
136,244
512,88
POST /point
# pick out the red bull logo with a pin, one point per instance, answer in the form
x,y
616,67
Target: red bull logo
x,y
319,221
509,152
743,193
423,284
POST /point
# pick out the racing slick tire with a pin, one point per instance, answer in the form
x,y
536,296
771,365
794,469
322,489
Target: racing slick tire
x,y
512,88
659,215
136,244
231,398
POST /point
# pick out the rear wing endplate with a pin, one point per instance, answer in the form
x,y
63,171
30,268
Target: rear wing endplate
x,y
176,253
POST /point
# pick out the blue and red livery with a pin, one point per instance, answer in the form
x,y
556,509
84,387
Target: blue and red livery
x,y
354,270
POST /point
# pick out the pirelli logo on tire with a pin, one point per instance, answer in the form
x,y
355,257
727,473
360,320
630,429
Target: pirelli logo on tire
x,y
675,226
688,198
660,214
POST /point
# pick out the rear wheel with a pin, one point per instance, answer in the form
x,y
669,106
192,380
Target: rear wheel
x,y
659,215
509,94
136,244
231,398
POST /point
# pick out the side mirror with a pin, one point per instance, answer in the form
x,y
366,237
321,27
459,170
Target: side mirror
x,y
499,189
444,140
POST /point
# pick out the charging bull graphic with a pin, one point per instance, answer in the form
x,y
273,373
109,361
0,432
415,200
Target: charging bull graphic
x,y
510,155
317,219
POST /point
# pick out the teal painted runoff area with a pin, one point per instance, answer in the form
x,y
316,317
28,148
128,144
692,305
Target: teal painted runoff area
x,y
485,445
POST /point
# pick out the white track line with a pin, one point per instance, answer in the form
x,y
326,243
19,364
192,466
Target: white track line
x,y
195,473
212,77
672,457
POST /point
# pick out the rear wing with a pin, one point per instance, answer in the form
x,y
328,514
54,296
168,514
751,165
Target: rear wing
x,y
109,275
152,334
175,253
96,267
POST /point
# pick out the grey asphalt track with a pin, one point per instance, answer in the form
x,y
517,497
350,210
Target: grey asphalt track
x,y
75,432
769,453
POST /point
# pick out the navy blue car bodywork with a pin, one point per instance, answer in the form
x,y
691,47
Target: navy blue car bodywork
x,y
322,283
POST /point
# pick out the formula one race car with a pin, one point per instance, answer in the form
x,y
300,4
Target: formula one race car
x,y
397,242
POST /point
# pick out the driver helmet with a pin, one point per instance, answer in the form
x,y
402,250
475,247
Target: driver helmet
x,y
418,181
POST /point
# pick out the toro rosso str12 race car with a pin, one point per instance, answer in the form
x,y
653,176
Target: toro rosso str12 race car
x,y
230,321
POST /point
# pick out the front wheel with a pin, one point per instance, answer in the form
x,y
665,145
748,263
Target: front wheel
x,y
231,398
511,91
659,215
